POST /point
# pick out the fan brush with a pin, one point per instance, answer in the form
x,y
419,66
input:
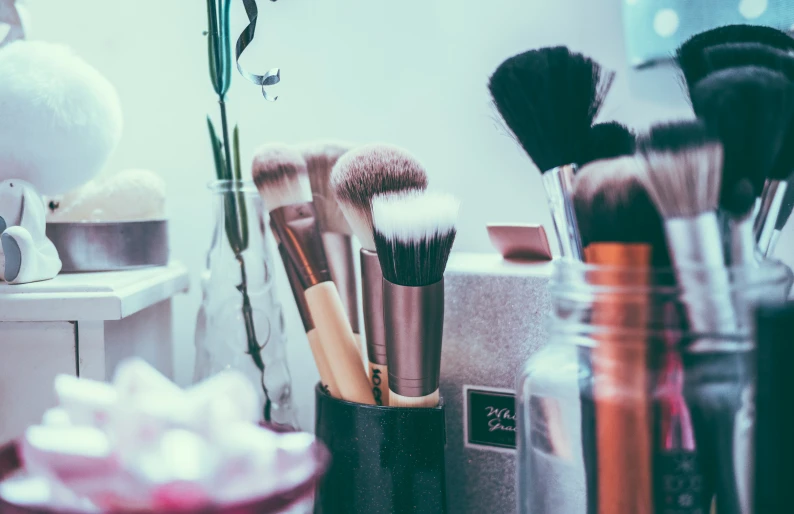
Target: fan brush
x,y
549,99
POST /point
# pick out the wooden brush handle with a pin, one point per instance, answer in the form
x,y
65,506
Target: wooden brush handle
x,y
379,380
339,343
396,400
326,375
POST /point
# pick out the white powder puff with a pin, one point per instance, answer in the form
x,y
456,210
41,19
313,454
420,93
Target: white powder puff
x,y
128,195
60,119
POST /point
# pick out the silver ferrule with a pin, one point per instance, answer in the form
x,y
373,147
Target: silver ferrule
x,y
296,227
339,252
743,249
765,220
770,251
297,290
414,322
372,299
696,250
558,184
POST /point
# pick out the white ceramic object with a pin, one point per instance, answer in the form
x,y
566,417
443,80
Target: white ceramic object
x,y
26,255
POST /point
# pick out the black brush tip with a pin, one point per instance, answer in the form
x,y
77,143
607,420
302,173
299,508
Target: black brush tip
x,y
607,141
549,98
676,136
691,56
750,109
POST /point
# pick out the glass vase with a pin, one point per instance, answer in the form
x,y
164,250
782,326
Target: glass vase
x,y
240,324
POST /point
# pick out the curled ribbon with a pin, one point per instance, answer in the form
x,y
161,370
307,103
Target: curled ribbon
x,y
273,76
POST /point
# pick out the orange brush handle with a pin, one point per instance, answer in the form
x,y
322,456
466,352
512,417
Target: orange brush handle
x,y
620,375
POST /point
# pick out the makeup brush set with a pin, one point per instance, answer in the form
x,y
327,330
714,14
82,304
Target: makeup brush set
x,y
378,407
644,402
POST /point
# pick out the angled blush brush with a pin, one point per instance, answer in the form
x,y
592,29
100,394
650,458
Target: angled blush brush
x,y
320,157
281,177
749,109
356,179
549,99
414,234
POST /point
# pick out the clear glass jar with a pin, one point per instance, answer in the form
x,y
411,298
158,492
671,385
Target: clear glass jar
x,y
628,410
240,324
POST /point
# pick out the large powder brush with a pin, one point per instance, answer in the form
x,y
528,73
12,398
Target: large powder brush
x,y
357,178
549,99
414,234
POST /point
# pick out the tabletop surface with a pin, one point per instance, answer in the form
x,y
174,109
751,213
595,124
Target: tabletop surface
x,y
107,295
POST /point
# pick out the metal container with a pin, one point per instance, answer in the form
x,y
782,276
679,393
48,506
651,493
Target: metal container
x,y
108,246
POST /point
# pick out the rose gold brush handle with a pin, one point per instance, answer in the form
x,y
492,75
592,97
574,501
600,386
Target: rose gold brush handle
x,y
338,342
320,359
372,294
414,323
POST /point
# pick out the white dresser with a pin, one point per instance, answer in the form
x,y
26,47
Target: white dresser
x,y
82,324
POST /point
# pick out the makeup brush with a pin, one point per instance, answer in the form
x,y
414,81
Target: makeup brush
x,y
320,157
749,108
280,174
549,99
735,55
621,229
682,177
414,233
357,177
607,141
691,56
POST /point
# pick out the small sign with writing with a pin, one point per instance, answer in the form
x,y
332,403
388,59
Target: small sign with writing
x,y
490,417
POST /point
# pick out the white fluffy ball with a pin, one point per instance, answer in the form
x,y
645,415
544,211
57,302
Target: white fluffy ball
x,y
132,194
60,119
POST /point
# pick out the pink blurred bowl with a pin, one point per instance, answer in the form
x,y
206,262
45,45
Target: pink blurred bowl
x,y
275,504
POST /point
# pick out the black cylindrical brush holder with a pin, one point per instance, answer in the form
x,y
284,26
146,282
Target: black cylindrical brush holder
x,y
384,460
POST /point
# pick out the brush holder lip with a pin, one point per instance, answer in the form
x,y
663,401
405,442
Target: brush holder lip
x,y
276,502
575,287
85,246
387,460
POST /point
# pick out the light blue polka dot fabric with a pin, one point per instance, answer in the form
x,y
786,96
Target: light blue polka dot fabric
x,y
655,28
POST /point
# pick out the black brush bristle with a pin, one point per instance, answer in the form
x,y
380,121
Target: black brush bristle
x,y
613,206
549,99
749,108
607,141
414,233
691,54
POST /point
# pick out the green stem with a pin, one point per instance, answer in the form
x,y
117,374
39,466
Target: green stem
x,y
253,346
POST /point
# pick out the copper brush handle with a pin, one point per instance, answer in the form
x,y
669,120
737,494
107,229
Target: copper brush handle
x,y
620,375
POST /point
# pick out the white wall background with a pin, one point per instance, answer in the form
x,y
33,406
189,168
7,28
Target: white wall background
x,y
410,72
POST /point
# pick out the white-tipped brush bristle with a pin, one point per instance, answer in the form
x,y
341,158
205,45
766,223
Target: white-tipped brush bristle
x,y
414,234
281,176
414,216
320,157
370,170
686,182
